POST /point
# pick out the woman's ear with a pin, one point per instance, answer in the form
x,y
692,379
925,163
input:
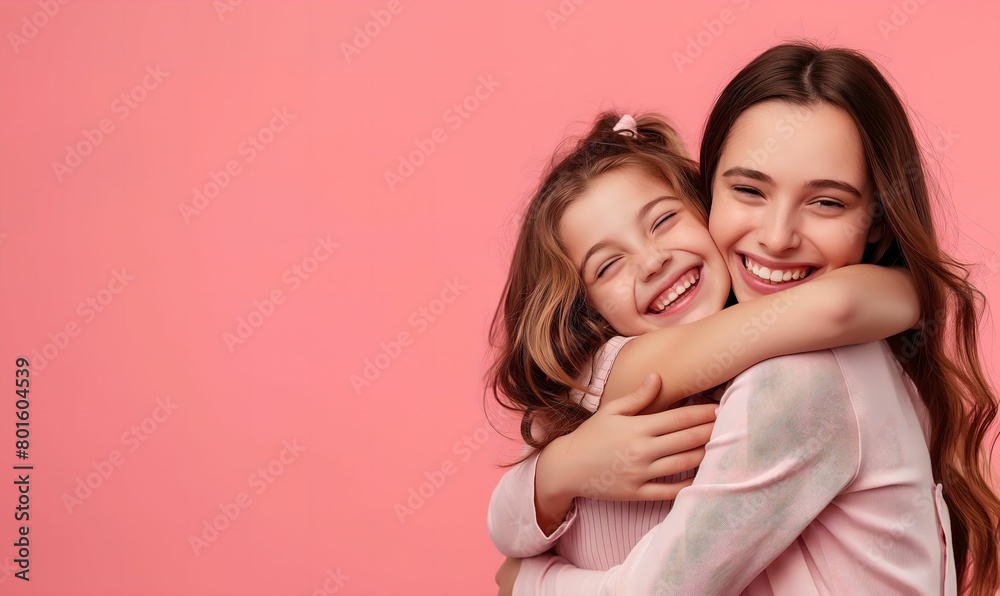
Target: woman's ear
x,y
876,231
877,228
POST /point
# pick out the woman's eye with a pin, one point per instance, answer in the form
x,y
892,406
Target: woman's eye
x,y
830,204
603,268
748,190
663,218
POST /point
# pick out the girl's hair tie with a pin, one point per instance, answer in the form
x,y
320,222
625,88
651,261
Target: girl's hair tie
x,y
627,126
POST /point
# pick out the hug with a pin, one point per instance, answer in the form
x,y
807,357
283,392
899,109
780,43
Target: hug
x,y
842,448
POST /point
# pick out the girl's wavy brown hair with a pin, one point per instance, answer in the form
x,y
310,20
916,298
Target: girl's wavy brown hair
x,y
942,358
545,333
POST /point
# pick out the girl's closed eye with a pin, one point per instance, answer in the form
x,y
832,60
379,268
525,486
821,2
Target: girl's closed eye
x,y
659,223
663,219
604,268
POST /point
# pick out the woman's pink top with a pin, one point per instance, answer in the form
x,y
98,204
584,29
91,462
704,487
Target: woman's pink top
x,y
817,480
596,534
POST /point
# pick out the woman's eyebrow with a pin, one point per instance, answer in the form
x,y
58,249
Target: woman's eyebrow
x,y
822,184
748,173
835,184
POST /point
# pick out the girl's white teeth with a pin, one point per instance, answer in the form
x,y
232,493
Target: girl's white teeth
x,y
776,275
675,292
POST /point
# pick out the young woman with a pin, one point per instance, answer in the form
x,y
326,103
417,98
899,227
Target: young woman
x,y
827,472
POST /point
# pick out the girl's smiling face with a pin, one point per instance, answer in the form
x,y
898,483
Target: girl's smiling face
x,y
791,196
645,257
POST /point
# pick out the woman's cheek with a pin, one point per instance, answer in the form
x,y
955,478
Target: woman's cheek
x,y
720,228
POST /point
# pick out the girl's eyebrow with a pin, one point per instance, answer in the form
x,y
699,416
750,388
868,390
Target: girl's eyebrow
x,y
649,206
642,213
812,184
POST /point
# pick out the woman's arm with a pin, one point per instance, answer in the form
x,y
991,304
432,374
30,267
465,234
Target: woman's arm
x,y
850,305
785,444
853,304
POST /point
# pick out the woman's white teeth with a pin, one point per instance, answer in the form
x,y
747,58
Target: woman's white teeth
x,y
675,292
774,275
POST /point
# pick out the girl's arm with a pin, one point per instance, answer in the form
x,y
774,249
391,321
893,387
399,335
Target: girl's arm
x,y
785,444
526,518
850,305
513,524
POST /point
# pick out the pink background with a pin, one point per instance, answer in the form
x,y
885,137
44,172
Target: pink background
x,y
437,239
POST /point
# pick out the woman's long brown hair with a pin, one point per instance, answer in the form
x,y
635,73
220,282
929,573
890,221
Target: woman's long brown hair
x,y
942,358
544,333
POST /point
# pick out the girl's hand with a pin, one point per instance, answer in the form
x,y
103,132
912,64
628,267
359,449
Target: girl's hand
x,y
615,454
506,576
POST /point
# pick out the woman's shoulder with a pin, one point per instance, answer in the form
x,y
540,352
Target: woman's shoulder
x,y
830,363
808,381
796,406
824,363
829,380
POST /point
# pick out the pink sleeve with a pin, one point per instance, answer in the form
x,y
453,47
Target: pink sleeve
x,y
511,517
785,443
552,575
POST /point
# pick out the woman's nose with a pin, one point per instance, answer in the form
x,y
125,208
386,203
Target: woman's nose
x,y
777,232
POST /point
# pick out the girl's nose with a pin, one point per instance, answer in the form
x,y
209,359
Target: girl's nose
x,y
654,261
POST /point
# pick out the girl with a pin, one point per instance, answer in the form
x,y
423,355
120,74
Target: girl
x,y
615,244
825,486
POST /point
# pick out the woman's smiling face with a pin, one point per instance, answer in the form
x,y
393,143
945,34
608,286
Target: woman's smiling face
x,y
645,257
791,196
